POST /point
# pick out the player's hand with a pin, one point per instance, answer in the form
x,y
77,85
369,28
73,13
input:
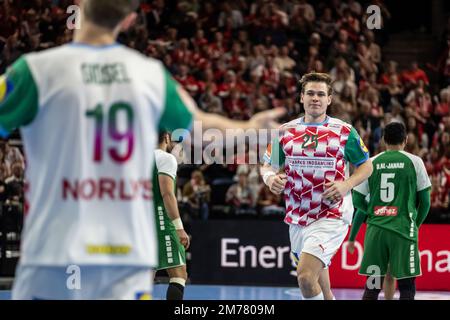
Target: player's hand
x,y
336,191
266,119
277,182
351,247
184,238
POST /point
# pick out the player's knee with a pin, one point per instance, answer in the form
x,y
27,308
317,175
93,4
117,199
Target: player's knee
x,y
407,288
306,279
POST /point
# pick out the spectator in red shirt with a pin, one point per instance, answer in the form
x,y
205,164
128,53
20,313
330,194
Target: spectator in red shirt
x,y
413,75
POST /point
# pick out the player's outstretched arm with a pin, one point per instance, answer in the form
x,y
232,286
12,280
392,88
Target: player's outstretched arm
x,y
262,120
171,205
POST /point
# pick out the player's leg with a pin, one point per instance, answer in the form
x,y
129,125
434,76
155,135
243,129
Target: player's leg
x,y
389,286
324,279
375,261
172,258
321,240
325,285
177,283
407,288
405,265
372,288
308,271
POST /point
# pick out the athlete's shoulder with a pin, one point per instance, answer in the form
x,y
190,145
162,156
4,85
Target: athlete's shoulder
x,y
289,125
134,54
338,123
51,54
414,159
164,157
378,156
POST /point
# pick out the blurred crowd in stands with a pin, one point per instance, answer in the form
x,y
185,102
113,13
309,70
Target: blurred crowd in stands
x,y
239,57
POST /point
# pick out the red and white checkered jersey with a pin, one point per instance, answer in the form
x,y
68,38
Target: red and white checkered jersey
x,y
312,155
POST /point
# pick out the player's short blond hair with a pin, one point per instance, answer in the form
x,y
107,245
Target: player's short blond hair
x,y
316,77
108,13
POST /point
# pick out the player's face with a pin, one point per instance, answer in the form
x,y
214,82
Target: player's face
x,y
315,99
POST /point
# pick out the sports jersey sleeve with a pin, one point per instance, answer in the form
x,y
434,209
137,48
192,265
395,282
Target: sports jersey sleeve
x,y
360,199
176,114
274,154
423,180
167,164
424,198
355,150
358,220
362,188
18,97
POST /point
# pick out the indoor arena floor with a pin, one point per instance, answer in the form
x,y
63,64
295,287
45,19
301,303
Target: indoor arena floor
x,y
221,292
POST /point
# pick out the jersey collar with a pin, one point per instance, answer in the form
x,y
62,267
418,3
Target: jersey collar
x,y
302,121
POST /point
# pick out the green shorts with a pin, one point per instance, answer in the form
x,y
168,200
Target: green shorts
x,y
383,248
171,252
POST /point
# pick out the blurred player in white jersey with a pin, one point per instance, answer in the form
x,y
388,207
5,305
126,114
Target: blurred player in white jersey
x,y
89,114
308,162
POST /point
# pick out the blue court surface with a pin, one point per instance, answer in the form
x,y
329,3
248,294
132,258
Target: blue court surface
x,y
220,292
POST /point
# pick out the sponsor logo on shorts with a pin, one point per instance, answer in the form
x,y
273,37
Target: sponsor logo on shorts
x,y
385,211
322,247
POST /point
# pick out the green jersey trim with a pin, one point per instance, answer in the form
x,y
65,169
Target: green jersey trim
x,y
355,150
166,174
175,115
18,97
277,156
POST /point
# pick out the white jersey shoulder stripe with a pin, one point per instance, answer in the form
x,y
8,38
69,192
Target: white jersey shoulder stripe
x,y
423,180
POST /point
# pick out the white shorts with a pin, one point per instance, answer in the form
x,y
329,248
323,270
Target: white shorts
x,y
321,239
82,283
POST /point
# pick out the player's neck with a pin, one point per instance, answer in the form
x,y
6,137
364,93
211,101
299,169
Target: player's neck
x,y
94,35
163,147
311,119
394,147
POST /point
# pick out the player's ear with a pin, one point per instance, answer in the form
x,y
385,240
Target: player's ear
x,y
301,97
128,22
329,99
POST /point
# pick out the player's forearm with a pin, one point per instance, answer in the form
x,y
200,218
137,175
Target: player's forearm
x,y
211,120
171,205
359,201
361,173
424,206
266,171
356,224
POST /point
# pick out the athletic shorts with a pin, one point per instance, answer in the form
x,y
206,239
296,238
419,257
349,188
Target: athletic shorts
x,y
321,239
382,248
82,283
171,252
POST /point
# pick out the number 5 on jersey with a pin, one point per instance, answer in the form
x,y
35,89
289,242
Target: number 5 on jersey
x,y
113,132
387,188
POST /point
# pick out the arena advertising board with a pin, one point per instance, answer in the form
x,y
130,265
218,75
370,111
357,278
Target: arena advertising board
x,y
252,252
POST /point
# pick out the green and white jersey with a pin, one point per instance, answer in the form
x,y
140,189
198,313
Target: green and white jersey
x,y
89,118
171,251
392,191
166,163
